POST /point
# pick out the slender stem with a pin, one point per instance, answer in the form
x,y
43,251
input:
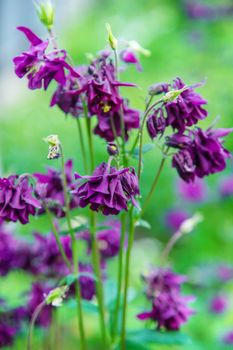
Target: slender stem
x,y
90,143
82,145
114,131
97,271
140,135
120,274
56,235
36,313
149,196
137,137
175,237
74,254
127,270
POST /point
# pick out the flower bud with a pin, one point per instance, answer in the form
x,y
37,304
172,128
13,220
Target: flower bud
x,y
111,39
56,296
173,94
188,225
54,146
138,48
45,11
157,89
112,149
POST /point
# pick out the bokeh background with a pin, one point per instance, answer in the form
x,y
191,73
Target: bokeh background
x,y
189,39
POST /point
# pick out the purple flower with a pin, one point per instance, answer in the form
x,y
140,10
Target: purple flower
x,y
108,190
162,280
109,124
16,200
36,297
175,217
218,304
49,189
156,123
169,311
7,251
192,192
7,334
39,67
87,283
228,338
129,56
48,260
200,154
186,109
226,187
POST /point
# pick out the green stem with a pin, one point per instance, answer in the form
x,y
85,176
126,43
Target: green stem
x,y
36,313
56,235
140,135
74,255
154,184
127,270
120,274
97,271
90,143
82,145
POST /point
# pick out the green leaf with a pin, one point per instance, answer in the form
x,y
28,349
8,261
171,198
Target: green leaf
x,y
71,278
145,148
143,223
155,337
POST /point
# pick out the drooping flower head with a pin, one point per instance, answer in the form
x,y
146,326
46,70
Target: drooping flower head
x,y
200,154
39,67
108,190
156,123
49,189
169,311
16,199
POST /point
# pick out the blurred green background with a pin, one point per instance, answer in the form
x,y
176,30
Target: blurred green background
x,y
193,49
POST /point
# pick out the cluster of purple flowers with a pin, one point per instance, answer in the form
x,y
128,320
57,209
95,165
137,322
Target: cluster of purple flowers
x,y
169,306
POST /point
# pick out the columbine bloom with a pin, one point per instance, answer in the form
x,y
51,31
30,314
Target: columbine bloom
x,y
169,311
187,109
109,124
200,153
156,123
129,56
49,189
39,67
16,199
108,190
218,304
87,283
192,192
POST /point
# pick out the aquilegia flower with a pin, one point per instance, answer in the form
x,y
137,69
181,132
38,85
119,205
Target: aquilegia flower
x,y
16,199
108,190
156,123
200,153
169,311
39,67
49,189
169,308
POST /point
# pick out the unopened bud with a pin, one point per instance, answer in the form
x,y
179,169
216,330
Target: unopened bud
x,y
112,149
45,11
173,94
54,146
111,39
56,296
138,48
188,225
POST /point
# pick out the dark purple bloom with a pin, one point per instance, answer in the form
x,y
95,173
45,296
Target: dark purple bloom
x,y
169,311
87,282
186,109
156,123
218,304
49,189
200,154
226,187
112,149
228,338
109,123
7,334
39,67
192,192
158,88
108,190
16,199
36,297
7,251
162,280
